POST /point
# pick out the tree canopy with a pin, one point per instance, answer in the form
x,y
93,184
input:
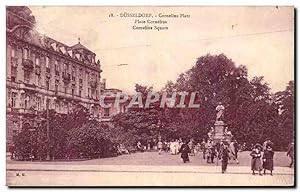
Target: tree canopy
x,y
252,112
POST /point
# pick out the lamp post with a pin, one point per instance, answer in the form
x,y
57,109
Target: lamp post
x,y
32,130
158,127
47,124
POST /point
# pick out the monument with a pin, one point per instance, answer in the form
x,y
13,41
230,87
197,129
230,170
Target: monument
x,y
218,133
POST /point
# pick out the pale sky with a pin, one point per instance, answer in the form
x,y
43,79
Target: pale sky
x,y
262,39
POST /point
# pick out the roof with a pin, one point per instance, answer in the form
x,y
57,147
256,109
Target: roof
x,y
80,46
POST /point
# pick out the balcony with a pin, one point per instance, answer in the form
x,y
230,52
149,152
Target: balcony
x,y
66,77
28,64
14,62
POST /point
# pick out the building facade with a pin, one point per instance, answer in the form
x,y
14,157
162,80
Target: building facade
x,y
45,73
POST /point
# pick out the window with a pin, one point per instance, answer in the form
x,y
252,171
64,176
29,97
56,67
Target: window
x,y
80,74
106,112
13,52
26,76
87,76
38,80
80,93
26,102
37,61
73,91
56,85
38,103
89,90
13,99
13,74
56,65
47,62
25,54
47,83
65,68
73,74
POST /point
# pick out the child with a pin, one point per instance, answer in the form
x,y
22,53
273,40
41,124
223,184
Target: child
x,y
255,161
268,159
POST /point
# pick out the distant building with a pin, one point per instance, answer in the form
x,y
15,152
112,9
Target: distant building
x,y
42,71
113,109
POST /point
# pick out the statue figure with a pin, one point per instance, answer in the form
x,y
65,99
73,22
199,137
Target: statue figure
x,y
220,111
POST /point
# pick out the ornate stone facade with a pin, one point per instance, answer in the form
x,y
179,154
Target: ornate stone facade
x,y
41,70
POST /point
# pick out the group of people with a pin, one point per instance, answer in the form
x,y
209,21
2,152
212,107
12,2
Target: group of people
x,y
261,155
262,158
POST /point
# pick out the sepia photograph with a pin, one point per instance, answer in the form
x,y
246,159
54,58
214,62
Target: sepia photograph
x,y
150,96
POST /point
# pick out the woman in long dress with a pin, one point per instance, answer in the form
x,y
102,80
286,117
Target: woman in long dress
x,y
256,160
290,153
185,150
268,160
233,151
172,147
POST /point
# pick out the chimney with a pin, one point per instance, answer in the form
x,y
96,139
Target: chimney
x,y
104,83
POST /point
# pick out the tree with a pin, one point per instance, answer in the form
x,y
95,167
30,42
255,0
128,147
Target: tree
x,y
252,112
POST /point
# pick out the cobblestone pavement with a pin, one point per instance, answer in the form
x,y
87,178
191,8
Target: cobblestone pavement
x,y
139,171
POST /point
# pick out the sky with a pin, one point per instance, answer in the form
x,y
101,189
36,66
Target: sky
x,y
262,38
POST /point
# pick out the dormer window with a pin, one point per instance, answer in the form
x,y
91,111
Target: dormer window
x,y
53,45
63,50
77,55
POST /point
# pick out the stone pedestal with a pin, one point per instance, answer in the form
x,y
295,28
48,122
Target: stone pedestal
x,y
219,131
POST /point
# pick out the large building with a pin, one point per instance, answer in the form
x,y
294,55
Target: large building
x,y
44,72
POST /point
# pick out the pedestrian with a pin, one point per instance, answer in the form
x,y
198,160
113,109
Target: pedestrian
x,y
203,143
197,148
256,159
233,152
268,159
224,156
192,147
236,148
267,143
208,151
140,146
290,153
176,147
173,147
185,150
159,146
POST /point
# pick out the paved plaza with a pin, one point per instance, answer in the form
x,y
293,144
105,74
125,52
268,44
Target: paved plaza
x,y
146,169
